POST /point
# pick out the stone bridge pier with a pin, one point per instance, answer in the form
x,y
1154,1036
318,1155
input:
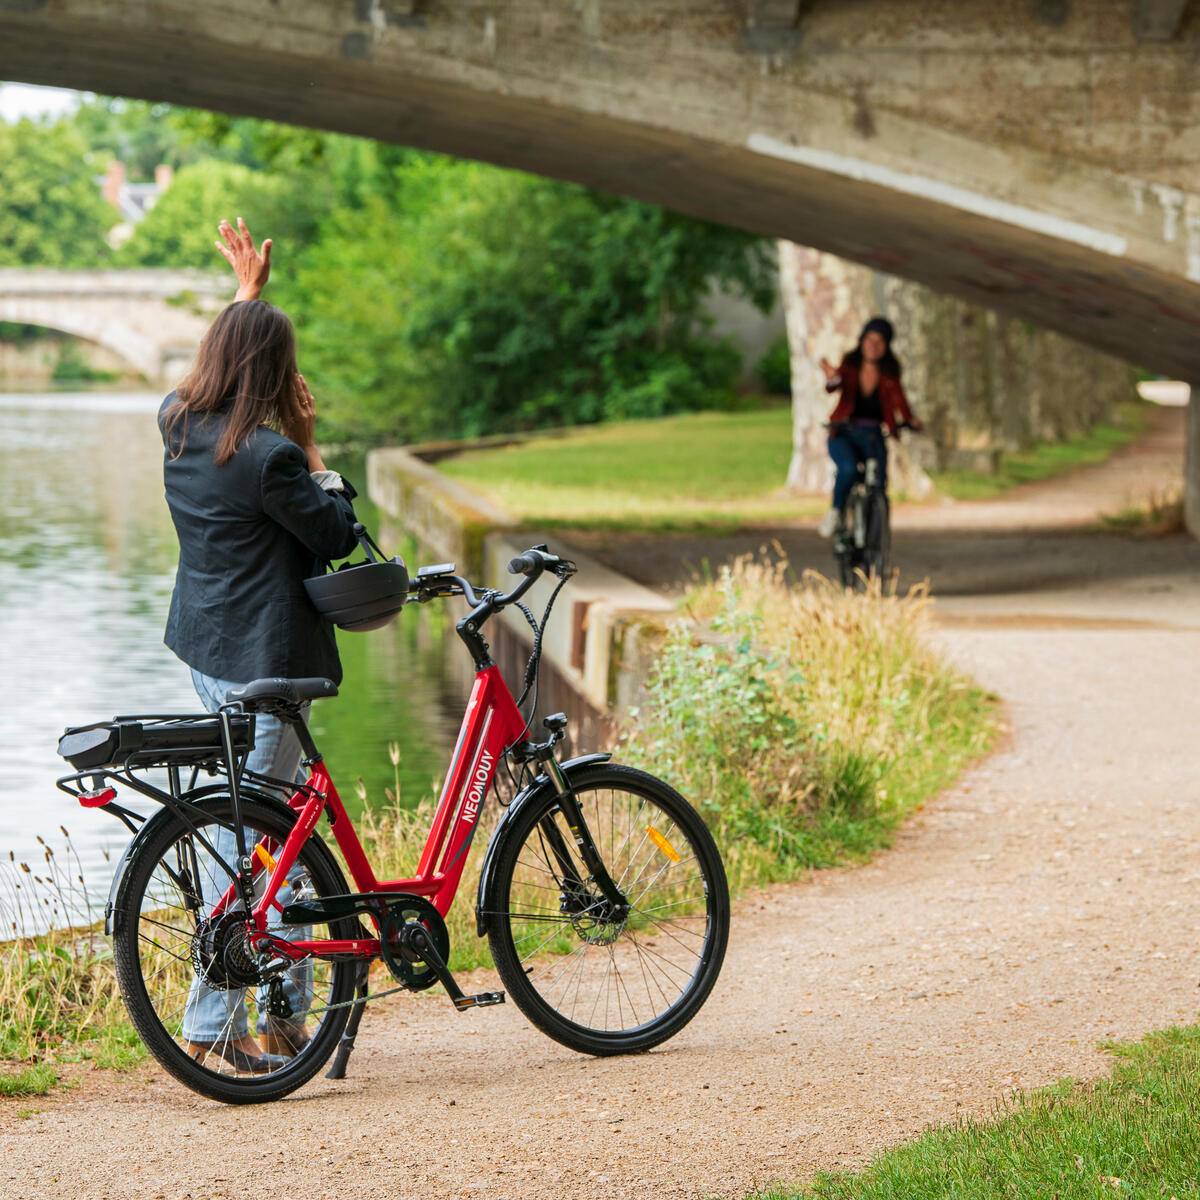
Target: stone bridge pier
x,y
1040,158
153,319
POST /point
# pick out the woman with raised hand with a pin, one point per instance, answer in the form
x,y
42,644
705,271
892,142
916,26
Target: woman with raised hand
x,y
870,399
257,512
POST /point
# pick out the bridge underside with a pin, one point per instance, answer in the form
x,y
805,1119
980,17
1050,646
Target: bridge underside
x,y
1061,274
1037,159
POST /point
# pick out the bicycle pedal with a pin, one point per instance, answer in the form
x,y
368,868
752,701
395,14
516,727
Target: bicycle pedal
x,y
482,1000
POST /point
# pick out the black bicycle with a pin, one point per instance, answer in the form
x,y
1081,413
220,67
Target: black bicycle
x,y
863,546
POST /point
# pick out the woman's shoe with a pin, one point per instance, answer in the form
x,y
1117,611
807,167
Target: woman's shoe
x,y
281,1036
831,522
240,1060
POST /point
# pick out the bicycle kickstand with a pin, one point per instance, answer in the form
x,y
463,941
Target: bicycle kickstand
x,y
346,1044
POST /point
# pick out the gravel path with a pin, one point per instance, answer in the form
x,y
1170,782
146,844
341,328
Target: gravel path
x,y
1047,903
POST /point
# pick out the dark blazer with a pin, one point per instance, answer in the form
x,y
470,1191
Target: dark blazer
x,y
250,532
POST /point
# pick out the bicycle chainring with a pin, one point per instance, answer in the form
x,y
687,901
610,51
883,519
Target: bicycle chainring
x,y
406,965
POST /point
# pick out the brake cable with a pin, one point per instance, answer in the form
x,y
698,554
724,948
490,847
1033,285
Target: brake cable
x,y
533,666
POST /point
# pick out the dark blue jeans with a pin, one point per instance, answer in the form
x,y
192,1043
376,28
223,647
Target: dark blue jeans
x,y
850,446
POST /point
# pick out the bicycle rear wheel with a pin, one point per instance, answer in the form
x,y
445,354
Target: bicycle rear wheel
x,y
598,980
192,986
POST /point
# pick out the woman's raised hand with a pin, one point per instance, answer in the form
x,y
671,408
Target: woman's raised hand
x,y
251,267
828,369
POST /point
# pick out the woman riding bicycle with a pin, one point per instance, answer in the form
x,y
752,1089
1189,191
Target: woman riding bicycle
x,y
870,398
257,512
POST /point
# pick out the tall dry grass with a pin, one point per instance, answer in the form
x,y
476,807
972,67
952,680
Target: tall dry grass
x,y
58,994
394,837
803,720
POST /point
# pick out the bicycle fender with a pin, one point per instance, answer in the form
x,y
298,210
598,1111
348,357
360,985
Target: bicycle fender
x,y
115,907
539,785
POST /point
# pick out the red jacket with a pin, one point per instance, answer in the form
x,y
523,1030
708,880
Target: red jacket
x,y
891,398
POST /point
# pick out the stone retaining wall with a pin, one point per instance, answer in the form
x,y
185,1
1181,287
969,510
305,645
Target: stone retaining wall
x,y
601,638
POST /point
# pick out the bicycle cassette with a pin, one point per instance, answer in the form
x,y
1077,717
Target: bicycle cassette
x,y
402,916
222,955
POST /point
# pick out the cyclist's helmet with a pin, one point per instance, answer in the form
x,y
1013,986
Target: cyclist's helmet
x,y
361,596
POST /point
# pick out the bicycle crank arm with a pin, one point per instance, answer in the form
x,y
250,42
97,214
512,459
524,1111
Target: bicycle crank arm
x,y
421,943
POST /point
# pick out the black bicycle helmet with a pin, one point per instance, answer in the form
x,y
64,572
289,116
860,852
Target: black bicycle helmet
x,y
361,596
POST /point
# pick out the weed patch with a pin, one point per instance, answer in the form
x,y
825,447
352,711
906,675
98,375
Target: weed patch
x,y
58,992
804,721
1159,514
31,1081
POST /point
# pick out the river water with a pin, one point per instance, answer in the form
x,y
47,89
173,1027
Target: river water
x,y
87,562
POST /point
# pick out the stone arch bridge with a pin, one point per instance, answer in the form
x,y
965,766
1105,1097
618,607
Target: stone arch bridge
x,y
1041,158
153,319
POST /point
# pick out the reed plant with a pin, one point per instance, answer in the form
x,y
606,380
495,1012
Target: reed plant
x,y
804,721
58,994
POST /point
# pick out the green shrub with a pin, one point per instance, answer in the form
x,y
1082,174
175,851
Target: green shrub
x,y
803,721
774,368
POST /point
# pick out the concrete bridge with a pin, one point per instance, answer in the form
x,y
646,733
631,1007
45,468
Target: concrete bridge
x,y
1040,158
153,319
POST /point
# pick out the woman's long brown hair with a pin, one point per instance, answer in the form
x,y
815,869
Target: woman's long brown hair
x,y
246,371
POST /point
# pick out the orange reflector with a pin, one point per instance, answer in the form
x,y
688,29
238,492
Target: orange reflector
x,y
662,843
263,857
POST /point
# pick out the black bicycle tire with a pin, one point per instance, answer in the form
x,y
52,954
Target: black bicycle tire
x,y
328,880
544,1015
846,569
878,542
853,576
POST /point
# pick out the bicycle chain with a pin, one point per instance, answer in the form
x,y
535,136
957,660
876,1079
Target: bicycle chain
x,y
347,1003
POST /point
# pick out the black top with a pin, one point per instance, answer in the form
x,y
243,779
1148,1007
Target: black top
x,y
868,406
250,532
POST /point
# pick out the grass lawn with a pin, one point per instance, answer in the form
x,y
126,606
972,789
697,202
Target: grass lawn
x,y
1046,459
712,471
1136,1134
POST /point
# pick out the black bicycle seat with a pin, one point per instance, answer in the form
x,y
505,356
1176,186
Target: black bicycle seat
x,y
267,693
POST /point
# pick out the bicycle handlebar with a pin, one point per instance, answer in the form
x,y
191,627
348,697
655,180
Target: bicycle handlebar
x,y
531,564
838,426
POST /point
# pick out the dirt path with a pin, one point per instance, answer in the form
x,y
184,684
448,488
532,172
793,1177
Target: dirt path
x,y
1047,903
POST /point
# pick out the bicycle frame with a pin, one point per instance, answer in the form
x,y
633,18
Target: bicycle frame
x,y
492,723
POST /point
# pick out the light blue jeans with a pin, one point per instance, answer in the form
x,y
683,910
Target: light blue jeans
x,y
220,1016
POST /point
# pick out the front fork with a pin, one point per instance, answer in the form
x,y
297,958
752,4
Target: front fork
x,y
568,805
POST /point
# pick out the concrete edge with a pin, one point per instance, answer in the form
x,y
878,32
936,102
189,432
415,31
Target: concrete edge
x,y
606,627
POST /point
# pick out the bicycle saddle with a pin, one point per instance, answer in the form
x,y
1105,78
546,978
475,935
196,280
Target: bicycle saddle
x,y
264,693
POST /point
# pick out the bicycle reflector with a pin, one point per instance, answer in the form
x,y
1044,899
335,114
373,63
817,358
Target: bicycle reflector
x,y
361,596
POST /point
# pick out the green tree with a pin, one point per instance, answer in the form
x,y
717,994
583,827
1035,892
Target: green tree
x,y
469,299
139,134
52,213
180,229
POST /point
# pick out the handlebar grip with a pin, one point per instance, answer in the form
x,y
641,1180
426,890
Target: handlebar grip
x,y
524,564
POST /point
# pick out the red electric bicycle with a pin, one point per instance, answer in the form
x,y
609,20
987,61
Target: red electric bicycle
x,y
602,894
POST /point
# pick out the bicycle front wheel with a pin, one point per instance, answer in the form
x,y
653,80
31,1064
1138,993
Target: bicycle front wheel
x,y
193,987
879,538
598,978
